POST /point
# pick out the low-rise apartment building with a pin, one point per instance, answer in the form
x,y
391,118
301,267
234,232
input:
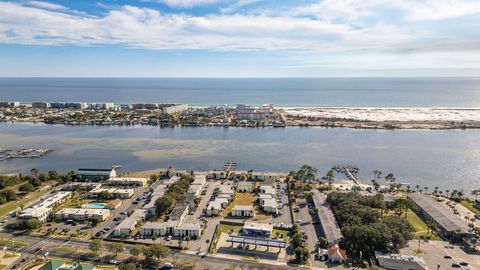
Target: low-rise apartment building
x,y
242,211
447,223
43,208
127,181
119,193
82,214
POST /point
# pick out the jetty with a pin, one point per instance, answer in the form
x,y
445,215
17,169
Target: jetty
x,y
25,153
349,170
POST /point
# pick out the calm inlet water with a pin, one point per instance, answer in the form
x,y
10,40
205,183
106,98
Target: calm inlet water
x,y
448,159
363,92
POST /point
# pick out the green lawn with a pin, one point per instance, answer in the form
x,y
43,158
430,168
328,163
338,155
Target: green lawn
x,y
7,242
8,207
469,205
421,229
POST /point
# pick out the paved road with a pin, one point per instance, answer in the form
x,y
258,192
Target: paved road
x,y
209,262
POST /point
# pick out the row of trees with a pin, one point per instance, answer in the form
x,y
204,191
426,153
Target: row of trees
x,y
151,253
175,193
363,226
302,254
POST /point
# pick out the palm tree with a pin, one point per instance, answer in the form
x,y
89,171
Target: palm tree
x,y
454,193
425,188
447,191
34,171
136,250
417,187
476,193
460,194
408,189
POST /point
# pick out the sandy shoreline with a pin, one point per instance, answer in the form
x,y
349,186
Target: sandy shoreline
x,y
383,118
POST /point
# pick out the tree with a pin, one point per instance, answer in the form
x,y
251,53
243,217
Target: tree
x,y
53,175
27,187
34,171
35,182
302,254
164,204
136,250
307,173
323,243
402,204
476,193
159,251
95,245
33,224
115,247
9,194
330,176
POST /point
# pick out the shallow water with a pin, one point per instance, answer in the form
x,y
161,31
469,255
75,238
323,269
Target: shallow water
x,y
444,158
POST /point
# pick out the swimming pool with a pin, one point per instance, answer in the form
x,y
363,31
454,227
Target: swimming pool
x,y
96,205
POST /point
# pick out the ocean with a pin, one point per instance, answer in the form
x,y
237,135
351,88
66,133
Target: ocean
x,y
288,92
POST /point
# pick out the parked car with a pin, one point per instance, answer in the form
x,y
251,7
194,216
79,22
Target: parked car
x,y
463,263
456,265
169,238
447,257
168,265
112,262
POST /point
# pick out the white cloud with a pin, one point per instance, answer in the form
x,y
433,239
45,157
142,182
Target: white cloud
x,y
440,9
46,5
148,28
416,10
151,29
187,3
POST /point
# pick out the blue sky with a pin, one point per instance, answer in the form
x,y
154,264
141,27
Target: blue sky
x,y
240,38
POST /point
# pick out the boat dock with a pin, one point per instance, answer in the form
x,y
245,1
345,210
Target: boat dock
x,y
349,171
25,153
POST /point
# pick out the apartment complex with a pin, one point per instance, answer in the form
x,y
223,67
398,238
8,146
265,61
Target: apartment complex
x,y
42,209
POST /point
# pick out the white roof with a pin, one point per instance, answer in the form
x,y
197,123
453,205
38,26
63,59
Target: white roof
x,y
258,226
83,211
128,179
269,203
113,190
128,223
243,208
188,226
194,188
215,205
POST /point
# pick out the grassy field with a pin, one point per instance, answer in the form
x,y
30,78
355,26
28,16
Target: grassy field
x,y
240,199
8,207
7,242
421,229
469,205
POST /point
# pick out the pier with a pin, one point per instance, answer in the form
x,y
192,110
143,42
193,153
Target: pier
x,y
24,153
349,171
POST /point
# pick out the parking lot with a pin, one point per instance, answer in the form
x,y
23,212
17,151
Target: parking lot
x,y
440,253
284,216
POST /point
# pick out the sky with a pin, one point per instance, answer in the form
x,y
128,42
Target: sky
x,y
240,38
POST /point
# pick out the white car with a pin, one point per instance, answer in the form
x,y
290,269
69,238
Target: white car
x,y
169,238
168,265
112,262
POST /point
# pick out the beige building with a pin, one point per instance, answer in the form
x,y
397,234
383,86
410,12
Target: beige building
x,y
127,181
82,214
242,211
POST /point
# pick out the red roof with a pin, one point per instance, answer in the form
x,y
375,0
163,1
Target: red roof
x,y
334,249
